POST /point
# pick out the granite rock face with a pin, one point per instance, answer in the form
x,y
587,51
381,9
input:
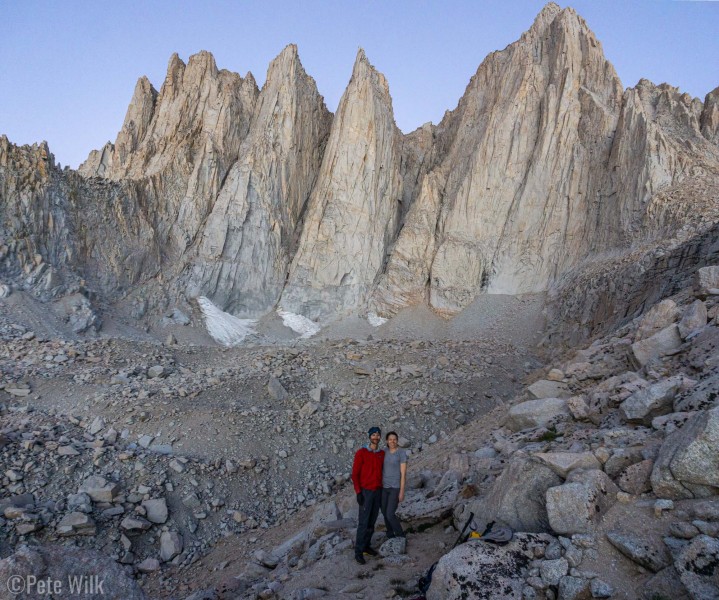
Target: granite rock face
x,y
248,238
543,177
354,212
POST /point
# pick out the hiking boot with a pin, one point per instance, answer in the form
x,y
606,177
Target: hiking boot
x,y
370,552
360,559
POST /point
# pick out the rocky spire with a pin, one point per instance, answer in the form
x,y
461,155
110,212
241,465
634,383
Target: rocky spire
x,y
710,116
512,194
354,210
246,245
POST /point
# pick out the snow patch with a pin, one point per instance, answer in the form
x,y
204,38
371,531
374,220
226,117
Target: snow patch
x,y
375,320
225,328
299,324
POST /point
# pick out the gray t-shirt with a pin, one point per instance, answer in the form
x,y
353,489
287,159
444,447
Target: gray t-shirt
x,y
391,476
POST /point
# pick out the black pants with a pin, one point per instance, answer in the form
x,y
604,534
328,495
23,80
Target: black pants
x,y
390,501
367,517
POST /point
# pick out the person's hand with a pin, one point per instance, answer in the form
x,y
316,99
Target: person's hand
x,y
360,499
401,496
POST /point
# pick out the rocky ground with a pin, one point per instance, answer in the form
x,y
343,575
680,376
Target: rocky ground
x,y
154,453
222,473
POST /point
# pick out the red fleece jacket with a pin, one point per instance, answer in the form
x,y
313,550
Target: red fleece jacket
x,y
367,470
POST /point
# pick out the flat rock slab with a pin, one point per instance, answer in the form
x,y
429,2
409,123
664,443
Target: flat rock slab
x,y
536,413
562,463
483,571
546,388
418,508
649,552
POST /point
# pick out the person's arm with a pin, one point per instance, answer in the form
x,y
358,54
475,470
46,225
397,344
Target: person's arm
x,y
356,468
402,479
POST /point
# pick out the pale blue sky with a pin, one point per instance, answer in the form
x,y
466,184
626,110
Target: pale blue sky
x,y
68,69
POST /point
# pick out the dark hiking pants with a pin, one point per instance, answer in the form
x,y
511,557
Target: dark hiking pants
x,y
366,519
390,501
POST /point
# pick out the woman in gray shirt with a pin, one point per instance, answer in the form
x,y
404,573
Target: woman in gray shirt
x,y
394,474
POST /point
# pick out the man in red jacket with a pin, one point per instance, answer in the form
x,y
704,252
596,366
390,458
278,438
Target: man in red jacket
x,y
367,479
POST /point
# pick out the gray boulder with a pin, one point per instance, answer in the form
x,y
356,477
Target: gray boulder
x,y
516,498
665,583
574,588
394,547
536,413
665,342
708,281
579,505
156,371
99,489
156,509
545,388
703,396
653,401
277,390
170,545
688,461
693,319
647,551
658,317
479,570
76,523
635,478
421,508
698,567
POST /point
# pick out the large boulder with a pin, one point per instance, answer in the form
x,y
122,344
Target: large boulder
x,y
100,576
485,571
419,507
698,567
653,401
645,550
545,388
703,396
693,319
536,413
688,462
516,497
635,478
708,281
579,505
665,342
658,317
